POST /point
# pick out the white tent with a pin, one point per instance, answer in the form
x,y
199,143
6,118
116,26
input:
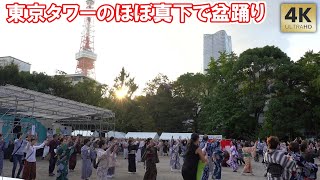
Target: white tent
x,y
116,134
168,136
83,133
142,135
219,137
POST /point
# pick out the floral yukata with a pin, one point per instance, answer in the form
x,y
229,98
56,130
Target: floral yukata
x,y
103,163
64,152
233,158
175,159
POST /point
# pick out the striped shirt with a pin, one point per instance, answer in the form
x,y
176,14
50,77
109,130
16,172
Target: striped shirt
x,y
278,157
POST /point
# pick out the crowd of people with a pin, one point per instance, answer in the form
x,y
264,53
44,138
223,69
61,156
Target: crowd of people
x,y
283,160
196,159
62,151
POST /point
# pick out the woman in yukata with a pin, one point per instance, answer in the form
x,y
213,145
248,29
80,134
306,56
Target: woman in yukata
x,y
233,157
175,159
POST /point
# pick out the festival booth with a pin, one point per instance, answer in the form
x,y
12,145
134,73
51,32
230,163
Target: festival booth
x,y
82,133
115,134
224,143
175,136
211,137
142,135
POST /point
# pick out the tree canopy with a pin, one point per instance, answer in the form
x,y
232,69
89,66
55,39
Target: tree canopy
x,y
259,93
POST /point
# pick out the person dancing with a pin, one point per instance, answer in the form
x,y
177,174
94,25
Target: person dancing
x,y
192,157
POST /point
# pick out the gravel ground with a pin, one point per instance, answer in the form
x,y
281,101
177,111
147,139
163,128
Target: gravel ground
x,y
121,171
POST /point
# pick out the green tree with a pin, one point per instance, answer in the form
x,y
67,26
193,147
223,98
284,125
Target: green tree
x,y
89,92
131,115
191,86
123,84
223,111
9,75
153,85
310,63
287,107
255,70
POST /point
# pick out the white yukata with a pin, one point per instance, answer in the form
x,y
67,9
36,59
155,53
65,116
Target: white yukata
x,y
125,150
139,155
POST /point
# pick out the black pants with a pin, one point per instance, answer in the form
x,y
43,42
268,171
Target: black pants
x,y
240,161
132,163
52,164
188,174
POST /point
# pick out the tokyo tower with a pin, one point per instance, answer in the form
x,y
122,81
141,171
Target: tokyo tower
x,y
86,57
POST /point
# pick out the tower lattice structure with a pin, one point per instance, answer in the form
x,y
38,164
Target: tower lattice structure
x,y
86,57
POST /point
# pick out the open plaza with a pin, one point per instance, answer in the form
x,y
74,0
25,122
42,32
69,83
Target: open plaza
x,y
163,167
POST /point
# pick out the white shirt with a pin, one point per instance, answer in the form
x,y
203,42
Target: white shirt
x,y
31,151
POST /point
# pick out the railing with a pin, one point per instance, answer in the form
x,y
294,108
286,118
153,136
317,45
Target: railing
x,y
86,54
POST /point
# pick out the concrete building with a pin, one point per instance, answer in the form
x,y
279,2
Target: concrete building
x,y
76,78
7,60
213,44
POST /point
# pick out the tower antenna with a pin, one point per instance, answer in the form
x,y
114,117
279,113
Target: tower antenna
x,y
86,57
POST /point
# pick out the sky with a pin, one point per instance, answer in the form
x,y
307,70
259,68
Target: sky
x,y
143,49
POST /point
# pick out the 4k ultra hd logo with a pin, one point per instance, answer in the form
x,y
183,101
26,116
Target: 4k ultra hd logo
x,y
298,17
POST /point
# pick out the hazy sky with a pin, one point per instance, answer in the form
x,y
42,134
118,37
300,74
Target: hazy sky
x,y
143,49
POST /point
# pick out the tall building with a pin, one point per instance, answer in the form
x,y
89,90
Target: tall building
x,y
86,57
23,66
213,44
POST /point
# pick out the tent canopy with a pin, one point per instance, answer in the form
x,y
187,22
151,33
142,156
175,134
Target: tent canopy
x,y
219,137
26,102
22,102
169,136
116,134
142,135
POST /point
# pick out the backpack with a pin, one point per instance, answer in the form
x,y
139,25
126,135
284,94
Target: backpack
x,y
276,170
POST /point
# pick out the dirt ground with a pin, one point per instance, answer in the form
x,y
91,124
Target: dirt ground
x,y
122,172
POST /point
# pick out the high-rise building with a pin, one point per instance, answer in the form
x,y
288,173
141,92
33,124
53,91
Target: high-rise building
x,y
213,44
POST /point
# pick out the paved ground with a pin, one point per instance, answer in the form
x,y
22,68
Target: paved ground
x,y
121,171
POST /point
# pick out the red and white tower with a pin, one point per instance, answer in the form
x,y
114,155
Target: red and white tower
x,y
86,57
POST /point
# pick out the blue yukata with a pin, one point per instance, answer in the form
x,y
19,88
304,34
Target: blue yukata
x,y
218,157
233,158
209,150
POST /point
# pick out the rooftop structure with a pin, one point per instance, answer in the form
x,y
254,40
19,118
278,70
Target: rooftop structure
x,y
7,60
20,102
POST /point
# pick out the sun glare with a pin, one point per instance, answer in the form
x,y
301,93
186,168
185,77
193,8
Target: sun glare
x,y
121,93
